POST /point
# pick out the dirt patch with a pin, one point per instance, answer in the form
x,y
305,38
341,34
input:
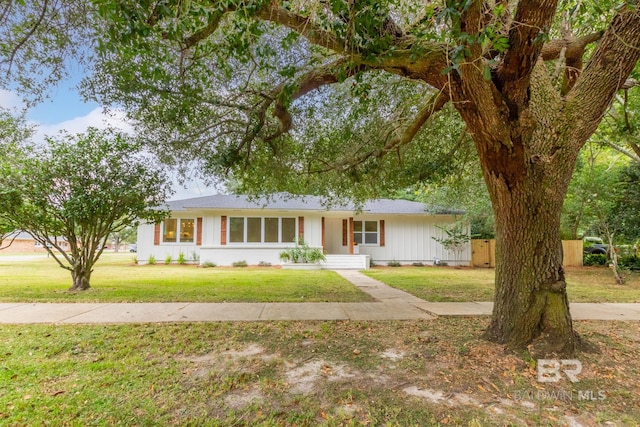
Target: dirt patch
x,y
304,378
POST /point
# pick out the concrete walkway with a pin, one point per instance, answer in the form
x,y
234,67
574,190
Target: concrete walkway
x,y
391,304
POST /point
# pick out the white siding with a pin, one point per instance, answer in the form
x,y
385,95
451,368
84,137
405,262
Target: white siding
x,y
409,239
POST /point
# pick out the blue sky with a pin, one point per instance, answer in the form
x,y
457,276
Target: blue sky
x,y
66,110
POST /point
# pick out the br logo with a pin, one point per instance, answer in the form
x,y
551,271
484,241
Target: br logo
x,y
550,370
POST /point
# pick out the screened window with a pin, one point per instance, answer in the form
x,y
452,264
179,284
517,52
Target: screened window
x,y
261,230
254,230
271,230
365,232
288,230
236,229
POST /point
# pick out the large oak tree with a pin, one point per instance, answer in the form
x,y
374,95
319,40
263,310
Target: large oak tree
x,y
235,85
332,95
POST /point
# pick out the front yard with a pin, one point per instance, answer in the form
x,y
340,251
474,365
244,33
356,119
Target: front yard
x,y
389,373
117,279
584,284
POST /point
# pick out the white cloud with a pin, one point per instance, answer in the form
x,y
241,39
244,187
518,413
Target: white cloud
x,y
97,118
11,100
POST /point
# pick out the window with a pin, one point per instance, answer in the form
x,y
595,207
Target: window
x,y
365,232
261,230
271,230
288,230
170,233
186,230
236,230
178,230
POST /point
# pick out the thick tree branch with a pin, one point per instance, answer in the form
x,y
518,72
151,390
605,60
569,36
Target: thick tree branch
x,y
606,72
571,51
211,27
316,35
532,19
433,105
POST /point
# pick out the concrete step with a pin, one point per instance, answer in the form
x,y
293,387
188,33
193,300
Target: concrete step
x,y
346,262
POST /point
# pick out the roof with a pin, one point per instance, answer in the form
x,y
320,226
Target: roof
x,y
283,201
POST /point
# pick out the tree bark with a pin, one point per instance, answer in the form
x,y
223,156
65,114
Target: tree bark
x,y
531,304
81,278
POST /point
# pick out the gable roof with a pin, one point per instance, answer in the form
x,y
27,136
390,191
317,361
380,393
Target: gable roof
x,y
284,201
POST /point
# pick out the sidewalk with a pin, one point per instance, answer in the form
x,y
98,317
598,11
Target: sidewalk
x,y
391,304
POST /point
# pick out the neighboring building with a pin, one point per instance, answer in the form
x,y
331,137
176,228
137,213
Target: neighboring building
x,y
226,228
23,243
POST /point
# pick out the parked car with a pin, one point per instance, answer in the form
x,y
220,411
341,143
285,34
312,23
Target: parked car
x,y
133,247
594,245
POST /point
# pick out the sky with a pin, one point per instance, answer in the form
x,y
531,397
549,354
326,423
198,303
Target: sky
x,y
66,110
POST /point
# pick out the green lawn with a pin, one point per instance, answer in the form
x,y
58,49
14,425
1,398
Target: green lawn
x,y
117,279
394,373
586,284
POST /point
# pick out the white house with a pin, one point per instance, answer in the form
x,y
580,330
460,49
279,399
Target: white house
x,y
224,229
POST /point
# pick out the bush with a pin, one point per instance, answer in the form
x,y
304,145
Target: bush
x,y
242,263
418,264
629,262
209,264
302,253
394,263
264,264
168,259
594,259
152,260
181,258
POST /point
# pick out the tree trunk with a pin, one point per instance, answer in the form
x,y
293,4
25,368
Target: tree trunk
x,y
531,304
81,277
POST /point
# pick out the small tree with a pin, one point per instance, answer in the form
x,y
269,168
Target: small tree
x,y
6,231
81,188
456,240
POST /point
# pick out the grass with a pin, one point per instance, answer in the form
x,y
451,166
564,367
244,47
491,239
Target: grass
x,y
585,284
410,373
117,279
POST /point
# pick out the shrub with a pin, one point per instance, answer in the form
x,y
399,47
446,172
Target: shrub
x,y
168,259
302,253
152,260
264,264
418,264
242,263
629,262
594,259
181,258
209,264
394,263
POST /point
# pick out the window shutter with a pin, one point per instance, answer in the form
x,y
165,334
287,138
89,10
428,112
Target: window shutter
x,y
345,232
382,232
323,229
198,231
351,236
156,234
223,230
301,226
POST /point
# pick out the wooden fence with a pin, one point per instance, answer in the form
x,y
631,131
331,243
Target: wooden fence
x,y
483,253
